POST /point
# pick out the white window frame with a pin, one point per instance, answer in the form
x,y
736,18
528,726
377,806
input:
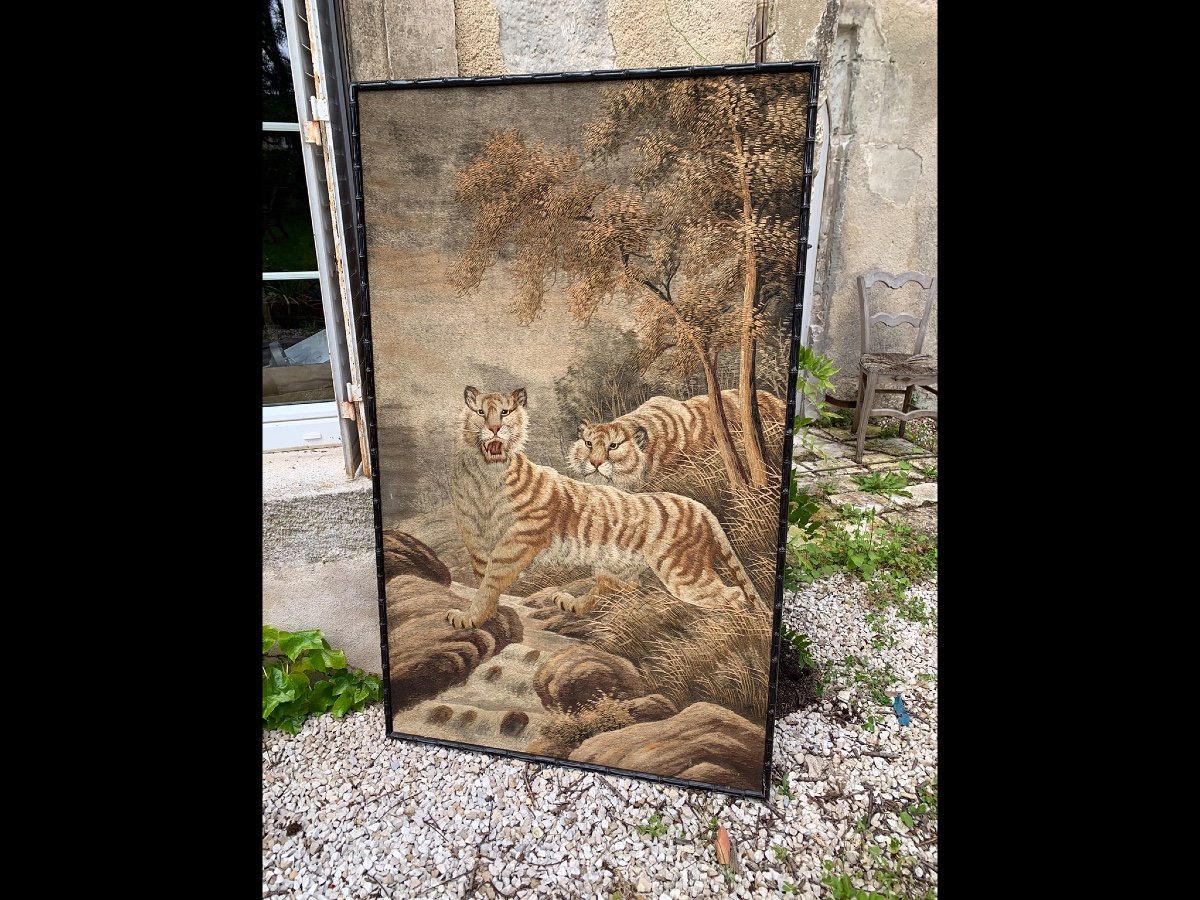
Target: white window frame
x,y
339,421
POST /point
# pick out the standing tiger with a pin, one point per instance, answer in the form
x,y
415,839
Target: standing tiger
x,y
657,438
511,511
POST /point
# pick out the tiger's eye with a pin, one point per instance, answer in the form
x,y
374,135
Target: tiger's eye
x,y
480,411
612,446
587,443
504,412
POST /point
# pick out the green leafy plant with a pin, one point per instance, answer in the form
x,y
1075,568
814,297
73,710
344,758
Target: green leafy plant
x,y
654,827
886,871
303,675
885,482
814,380
878,546
875,683
783,785
889,429
925,807
781,853
727,871
801,527
803,650
928,471
882,635
788,888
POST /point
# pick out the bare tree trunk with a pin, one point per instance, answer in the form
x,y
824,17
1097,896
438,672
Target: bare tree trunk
x,y
729,454
720,424
756,417
748,400
751,429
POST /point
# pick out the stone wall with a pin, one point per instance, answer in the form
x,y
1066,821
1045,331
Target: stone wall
x,y
879,71
879,78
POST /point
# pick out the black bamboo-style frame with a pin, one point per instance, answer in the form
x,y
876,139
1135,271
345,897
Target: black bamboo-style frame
x,y
368,362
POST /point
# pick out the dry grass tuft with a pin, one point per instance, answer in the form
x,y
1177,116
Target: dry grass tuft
x,y
569,730
690,654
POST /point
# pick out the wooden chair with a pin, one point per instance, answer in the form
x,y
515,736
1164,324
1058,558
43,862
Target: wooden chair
x,y
905,369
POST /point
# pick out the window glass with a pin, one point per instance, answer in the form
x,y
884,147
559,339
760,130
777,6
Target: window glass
x,y
295,355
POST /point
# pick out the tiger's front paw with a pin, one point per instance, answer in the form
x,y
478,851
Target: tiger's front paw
x,y
460,619
572,604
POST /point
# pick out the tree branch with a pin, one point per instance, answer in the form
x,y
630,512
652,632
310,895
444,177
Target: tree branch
x,y
662,295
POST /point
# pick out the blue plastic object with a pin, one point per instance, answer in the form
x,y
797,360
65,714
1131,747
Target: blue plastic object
x,y
898,706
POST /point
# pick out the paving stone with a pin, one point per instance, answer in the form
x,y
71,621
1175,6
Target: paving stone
x,y
923,519
896,446
829,465
872,458
922,494
860,500
833,449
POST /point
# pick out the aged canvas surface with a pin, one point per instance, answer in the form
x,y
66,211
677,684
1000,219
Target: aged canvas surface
x,y
574,288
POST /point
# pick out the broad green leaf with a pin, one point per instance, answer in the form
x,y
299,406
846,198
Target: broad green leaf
x,y
321,697
906,819
297,642
299,682
293,709
343,703
340,684
270,636
321,660
274,680
333,659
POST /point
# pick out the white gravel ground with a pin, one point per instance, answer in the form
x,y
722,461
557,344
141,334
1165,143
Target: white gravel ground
x,y
389,818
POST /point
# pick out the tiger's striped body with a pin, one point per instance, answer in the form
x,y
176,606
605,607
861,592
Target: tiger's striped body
x,y
511,511
657,438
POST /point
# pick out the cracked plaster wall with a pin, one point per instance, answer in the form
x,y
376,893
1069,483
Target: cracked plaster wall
x,y
879,69
882,87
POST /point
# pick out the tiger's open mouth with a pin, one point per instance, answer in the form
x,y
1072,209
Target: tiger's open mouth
x,y
493,451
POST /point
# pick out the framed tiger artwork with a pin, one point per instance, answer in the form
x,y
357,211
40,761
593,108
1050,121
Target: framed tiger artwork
x,y
582,303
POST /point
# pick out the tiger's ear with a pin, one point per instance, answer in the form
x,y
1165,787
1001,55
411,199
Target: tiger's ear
x,y
471,396
640,437
519,397
584,424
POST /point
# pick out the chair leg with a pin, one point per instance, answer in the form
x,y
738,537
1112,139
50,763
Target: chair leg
x,y
859,405
907,406
865,399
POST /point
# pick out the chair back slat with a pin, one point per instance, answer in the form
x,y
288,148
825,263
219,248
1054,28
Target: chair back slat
x,y
877,276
